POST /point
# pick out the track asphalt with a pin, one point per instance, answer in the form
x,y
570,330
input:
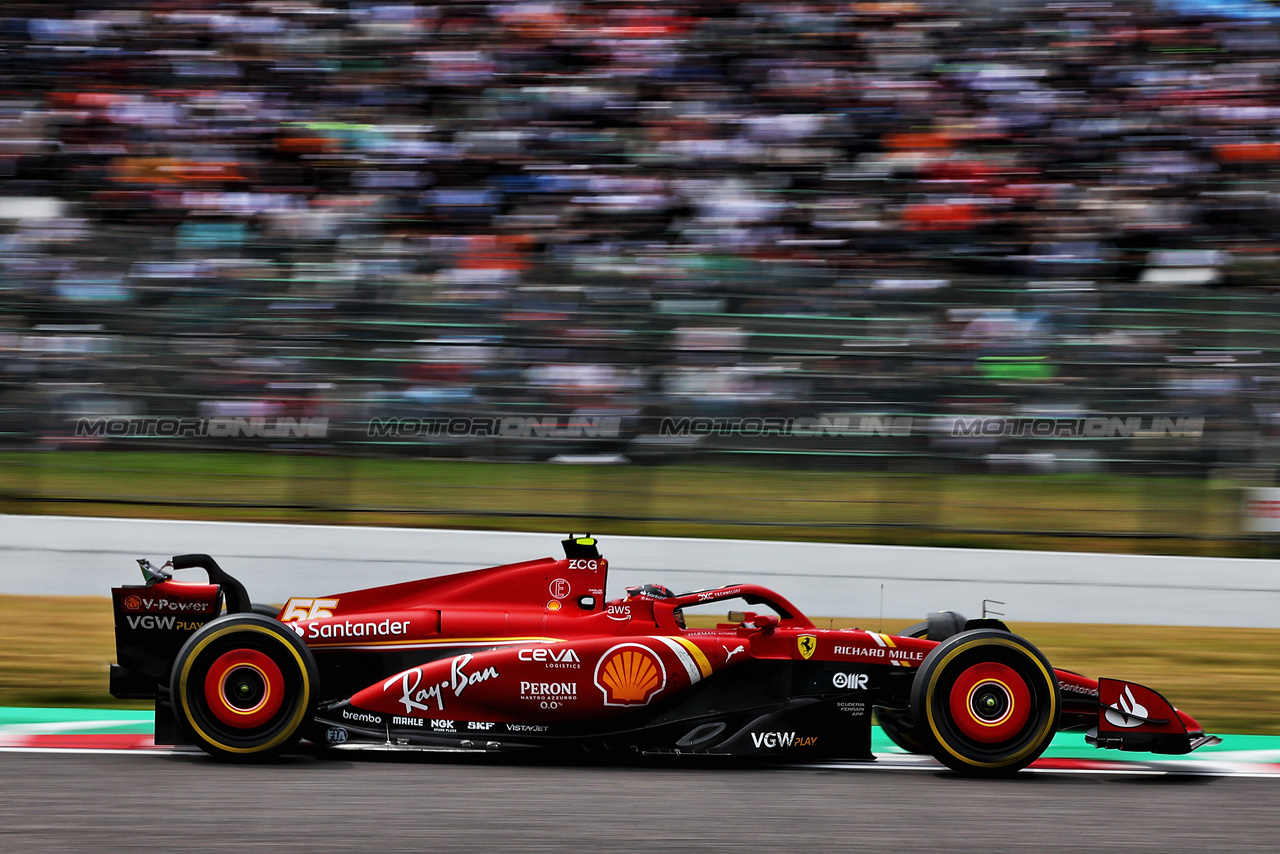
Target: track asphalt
x,y
37,729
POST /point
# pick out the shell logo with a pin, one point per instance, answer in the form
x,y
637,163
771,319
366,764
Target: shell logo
x,y
630,674
132,603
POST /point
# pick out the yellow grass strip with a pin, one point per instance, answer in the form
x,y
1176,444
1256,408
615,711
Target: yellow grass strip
x,y
55,651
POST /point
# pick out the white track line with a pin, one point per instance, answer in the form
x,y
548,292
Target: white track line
x,y
74,727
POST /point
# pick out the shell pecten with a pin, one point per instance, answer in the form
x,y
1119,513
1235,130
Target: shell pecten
x,y
630,675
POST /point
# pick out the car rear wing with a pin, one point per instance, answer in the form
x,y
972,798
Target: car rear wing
x,y
153,620
1134,717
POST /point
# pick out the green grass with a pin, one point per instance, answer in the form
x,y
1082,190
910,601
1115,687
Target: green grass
x,y
1161,515
55,651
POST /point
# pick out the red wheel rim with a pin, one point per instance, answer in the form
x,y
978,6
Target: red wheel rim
x,y
990,702
244,688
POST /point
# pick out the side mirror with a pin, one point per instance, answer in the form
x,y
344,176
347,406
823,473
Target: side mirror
x,y
766,622
741,616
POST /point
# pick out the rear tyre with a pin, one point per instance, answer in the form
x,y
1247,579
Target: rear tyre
x,y
988,701
243,687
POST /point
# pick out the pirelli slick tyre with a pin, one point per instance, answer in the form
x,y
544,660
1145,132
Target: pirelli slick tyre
x,y
987,701
244,687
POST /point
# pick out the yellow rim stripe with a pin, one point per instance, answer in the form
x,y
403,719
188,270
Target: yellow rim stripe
x,y
266,695
969,703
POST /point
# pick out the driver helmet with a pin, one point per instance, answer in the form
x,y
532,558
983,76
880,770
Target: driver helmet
x,y
650,591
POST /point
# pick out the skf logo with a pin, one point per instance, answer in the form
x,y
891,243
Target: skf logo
x,y
132,603
808,645
629,675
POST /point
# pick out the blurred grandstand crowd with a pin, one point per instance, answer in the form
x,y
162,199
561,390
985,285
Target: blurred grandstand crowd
x,y
359,209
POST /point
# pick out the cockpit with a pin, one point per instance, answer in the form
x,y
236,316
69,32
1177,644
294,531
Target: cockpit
x,y
700,608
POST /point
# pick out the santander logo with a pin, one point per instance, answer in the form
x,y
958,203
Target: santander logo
x,y
1126,706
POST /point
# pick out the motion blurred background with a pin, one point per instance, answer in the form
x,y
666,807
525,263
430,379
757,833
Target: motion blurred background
x,y
993,273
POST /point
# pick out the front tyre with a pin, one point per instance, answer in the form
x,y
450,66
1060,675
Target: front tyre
x,y
988,701
244,686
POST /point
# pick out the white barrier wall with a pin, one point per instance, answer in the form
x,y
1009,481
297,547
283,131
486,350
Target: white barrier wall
x,y
87,556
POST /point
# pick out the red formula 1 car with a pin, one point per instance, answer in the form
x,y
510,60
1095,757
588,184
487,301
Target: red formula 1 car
x,y
530,656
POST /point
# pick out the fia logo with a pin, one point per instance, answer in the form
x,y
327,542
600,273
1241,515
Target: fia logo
x,y
808,645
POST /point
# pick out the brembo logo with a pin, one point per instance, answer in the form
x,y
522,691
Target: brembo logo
x,y
1126,706
361,717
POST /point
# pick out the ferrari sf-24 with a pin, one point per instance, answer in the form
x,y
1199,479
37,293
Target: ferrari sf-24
x,y
531,657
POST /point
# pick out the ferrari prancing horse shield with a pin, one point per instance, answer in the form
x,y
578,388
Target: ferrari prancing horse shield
x,y
808,645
